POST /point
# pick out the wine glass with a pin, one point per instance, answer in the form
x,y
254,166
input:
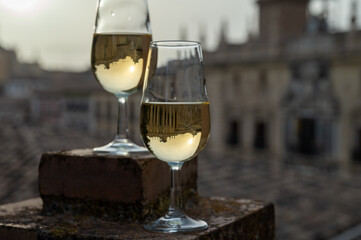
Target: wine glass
x,y
118,58
174,119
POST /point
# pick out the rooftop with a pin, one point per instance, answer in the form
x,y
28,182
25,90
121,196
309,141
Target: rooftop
x,y
311,203
305,46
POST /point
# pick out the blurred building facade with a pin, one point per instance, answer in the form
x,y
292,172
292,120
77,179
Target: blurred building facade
x,y
31,95
292,92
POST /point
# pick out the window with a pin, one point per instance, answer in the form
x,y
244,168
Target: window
x,y
233,136
356,152
260,136
307,136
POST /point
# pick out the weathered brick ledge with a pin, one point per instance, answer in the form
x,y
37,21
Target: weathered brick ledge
x,y
113,187
227,219
92,197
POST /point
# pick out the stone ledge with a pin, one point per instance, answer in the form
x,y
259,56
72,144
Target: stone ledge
x,y
227,219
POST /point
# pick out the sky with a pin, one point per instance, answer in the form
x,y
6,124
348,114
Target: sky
x,y
58,33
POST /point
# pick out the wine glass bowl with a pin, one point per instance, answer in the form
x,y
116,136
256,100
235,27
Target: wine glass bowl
x,y
175,119
173,131
118,59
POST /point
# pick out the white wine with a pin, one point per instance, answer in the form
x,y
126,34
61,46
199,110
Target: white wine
x,y
119,61
175,132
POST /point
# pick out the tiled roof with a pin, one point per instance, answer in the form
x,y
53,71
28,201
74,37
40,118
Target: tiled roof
x,y
311,203
20,152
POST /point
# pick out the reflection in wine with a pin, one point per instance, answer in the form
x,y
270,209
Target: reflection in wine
x,y
175,131
118,61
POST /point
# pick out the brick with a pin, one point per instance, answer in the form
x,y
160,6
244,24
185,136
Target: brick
x,y
80,182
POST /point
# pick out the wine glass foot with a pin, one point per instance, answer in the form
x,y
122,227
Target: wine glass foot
x,y
182,223
121,148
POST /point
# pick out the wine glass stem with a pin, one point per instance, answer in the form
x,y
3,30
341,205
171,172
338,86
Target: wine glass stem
x,y
175,201
122,128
